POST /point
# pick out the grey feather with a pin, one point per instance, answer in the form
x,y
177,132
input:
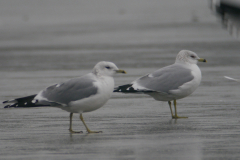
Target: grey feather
x,y
166,79
72,90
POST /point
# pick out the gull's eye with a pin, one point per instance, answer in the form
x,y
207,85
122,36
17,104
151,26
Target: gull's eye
x,y
108,67
192,56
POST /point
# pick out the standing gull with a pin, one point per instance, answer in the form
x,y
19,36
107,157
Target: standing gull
x,y
82,94
170,83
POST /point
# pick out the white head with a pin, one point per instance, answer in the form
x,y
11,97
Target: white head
x,y
188,57
104,68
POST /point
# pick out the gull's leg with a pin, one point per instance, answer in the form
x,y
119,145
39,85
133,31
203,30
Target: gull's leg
x,y
70,127
170,106
175,107
88,130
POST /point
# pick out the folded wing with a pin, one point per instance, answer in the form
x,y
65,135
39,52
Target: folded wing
x,y
64,93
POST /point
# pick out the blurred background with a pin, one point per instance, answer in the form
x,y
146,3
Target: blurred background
x,y
43,42
60,24
40,29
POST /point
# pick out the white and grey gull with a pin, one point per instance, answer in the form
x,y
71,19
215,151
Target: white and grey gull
x,y
78,95
170,83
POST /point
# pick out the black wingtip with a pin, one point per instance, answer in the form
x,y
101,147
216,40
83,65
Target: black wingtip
x,y
125,89
129,89
7,106
20,102
5,102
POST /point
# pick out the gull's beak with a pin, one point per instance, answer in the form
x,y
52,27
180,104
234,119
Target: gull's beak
x,y
121,71
202,60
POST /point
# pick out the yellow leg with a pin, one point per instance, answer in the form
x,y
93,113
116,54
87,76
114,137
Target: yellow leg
x,y
88,130
70,127
175,107
170,106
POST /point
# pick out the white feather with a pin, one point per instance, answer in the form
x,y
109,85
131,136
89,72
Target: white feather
x,y
237,80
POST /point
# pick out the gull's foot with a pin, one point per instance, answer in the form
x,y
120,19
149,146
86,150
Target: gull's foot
x,y
177,117
71,131
89,131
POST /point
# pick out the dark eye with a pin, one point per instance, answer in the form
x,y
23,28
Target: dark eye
x,y
193,56
107,67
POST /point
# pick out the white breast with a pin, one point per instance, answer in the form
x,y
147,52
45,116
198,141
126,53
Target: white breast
x,y
189,87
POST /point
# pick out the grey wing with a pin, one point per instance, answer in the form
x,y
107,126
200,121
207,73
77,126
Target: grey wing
x,y
165,79
72,90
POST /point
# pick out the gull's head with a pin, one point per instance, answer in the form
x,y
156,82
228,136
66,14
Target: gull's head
x,y
104,68
188,57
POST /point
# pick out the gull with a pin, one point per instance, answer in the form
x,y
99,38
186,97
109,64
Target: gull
x,y
78,95
170,83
